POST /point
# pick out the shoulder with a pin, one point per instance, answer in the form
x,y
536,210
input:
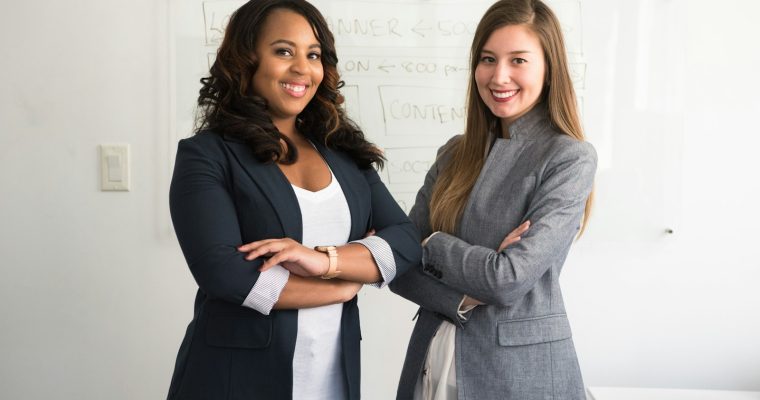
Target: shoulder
x,y
449,145
205,148
204,142
446,151
206,139
562,147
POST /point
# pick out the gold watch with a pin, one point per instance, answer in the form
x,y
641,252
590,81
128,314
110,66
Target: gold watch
x,y
332,254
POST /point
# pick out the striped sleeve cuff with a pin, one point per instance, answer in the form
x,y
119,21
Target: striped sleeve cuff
x,y
266,291
383,255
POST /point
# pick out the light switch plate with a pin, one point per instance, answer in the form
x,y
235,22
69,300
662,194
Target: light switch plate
x,y
114,167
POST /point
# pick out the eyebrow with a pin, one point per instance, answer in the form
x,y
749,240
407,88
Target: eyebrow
x,y
511,52
292,44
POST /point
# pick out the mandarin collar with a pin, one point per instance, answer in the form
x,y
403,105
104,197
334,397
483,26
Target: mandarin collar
x,y
533,120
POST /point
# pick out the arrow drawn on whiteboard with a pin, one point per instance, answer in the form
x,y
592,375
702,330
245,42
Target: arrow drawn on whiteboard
x,y
385,67
418,28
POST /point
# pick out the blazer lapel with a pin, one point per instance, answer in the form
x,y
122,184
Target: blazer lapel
x,y
275,187
349,185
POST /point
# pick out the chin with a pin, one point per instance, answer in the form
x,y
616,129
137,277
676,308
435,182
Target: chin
x,y
502,114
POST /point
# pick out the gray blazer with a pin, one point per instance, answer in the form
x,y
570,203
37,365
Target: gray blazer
x,y
517,346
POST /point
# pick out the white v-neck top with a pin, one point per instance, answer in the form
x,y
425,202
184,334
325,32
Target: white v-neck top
x,y
317,367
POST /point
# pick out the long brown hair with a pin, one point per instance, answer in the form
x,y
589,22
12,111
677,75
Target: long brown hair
x,y
458,177
228,105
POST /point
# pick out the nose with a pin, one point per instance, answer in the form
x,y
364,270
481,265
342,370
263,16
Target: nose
x,y
502,74
300,64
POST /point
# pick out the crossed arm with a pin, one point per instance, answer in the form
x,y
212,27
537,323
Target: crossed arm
x,y
211,240
304,288
504,275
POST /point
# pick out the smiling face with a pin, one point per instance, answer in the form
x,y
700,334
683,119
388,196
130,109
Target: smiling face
x,y
289,65
510,72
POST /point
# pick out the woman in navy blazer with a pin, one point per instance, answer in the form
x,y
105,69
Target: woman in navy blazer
x,y
271,126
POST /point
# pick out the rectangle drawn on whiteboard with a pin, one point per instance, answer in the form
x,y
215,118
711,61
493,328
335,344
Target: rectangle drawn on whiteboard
x,y
408,24
369,24
409,164
415,110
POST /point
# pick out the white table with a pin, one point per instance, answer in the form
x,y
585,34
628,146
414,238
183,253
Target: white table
x,y
622,393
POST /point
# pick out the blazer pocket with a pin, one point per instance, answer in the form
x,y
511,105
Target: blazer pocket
x,y
245,330
522,332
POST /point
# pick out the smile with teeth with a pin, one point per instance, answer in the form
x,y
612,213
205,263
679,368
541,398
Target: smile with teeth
x,y
505,94
294,88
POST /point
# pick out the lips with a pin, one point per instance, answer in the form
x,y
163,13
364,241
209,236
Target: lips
x,y
502,96
294,89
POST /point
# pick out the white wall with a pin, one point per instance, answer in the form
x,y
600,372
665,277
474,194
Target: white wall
x,y
93,289
681,310
95,295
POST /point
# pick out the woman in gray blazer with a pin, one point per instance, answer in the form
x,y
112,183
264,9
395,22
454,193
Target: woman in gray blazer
x,y
492,323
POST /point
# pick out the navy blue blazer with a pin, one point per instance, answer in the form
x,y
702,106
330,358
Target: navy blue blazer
x,y
222,197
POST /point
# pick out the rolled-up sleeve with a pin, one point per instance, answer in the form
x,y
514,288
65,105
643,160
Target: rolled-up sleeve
x,y
209,235
393,231
383,255
267,289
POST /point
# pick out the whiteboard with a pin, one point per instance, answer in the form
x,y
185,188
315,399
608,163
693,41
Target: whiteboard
x,y
633,63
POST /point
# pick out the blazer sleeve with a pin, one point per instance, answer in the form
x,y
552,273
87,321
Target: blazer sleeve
x,y
415,285
555,213
393,226
205,220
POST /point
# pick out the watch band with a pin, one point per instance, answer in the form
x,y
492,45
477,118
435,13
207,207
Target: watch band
x,y
332,254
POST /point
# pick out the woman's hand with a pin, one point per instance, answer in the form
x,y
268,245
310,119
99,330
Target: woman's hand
x,y
288,253
514,236
511,238
469,303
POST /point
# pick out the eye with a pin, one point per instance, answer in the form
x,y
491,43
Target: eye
x,y
519,60
282,51
315,56
487,60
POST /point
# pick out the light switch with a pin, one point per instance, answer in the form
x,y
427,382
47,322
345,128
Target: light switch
x,y
114,165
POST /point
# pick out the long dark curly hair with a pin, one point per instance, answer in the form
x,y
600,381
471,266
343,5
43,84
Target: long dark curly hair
x,y
227,104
